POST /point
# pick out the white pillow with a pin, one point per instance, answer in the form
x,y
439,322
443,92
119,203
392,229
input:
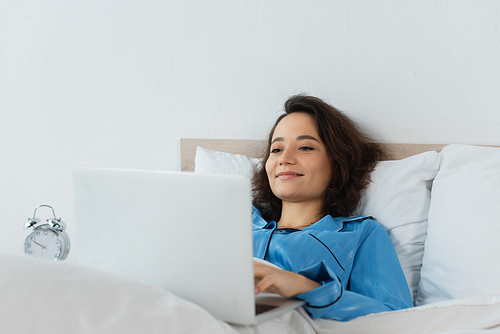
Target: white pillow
x,y
398,198
462,247
207,161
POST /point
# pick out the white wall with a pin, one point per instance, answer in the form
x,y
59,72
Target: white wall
x,y
118,83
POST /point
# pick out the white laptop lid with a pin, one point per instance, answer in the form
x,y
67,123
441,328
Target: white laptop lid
x,y
187,233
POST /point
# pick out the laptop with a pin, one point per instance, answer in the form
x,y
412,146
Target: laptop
x,y
187,233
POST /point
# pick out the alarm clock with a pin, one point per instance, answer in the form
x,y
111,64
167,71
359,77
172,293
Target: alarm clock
x,y
48,240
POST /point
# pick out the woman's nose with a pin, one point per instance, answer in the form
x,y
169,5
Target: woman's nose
x,y
286,158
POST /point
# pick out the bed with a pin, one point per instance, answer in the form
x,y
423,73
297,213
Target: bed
x,y
440,210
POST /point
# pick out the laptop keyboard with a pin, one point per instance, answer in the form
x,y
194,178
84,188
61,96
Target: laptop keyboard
x,y
260,308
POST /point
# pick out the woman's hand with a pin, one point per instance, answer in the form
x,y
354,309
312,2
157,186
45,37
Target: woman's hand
x,y
285,283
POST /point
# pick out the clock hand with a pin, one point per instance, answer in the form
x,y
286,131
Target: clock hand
x,y
38,244
46,241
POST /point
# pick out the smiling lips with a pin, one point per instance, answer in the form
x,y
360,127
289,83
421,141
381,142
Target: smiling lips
x,y
288,175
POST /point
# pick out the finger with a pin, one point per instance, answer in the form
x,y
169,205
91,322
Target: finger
x,y
260,265
260,270
266,284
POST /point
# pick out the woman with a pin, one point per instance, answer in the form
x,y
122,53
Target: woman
x,y
309,183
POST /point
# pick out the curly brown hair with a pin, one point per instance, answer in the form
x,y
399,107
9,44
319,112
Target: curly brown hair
x,y
353,155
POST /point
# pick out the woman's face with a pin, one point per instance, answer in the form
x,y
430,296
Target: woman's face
x,y
298,167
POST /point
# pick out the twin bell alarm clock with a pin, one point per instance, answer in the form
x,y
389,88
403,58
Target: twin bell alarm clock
x,y
49,239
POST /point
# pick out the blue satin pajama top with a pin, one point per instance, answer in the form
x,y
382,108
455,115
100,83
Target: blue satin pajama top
x,y
353,259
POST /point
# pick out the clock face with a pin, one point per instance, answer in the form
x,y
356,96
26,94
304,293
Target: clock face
x,y
43,243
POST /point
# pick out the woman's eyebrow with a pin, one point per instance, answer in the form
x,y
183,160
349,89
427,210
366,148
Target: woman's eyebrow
x,y
303,137
277,139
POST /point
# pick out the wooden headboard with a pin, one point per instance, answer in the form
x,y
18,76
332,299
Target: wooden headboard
x,y
255,148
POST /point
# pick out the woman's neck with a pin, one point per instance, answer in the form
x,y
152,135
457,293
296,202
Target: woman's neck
x,y
300,215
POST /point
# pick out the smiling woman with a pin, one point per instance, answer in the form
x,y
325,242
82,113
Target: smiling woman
x,y
352,155
310,181
298,170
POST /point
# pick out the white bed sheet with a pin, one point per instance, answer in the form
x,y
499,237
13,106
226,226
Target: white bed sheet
x,y
39,296
453,316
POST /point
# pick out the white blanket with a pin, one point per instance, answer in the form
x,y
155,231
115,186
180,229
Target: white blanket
x,y
39,296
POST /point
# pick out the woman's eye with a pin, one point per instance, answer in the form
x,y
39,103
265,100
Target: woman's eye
x,y
275,150
306,148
